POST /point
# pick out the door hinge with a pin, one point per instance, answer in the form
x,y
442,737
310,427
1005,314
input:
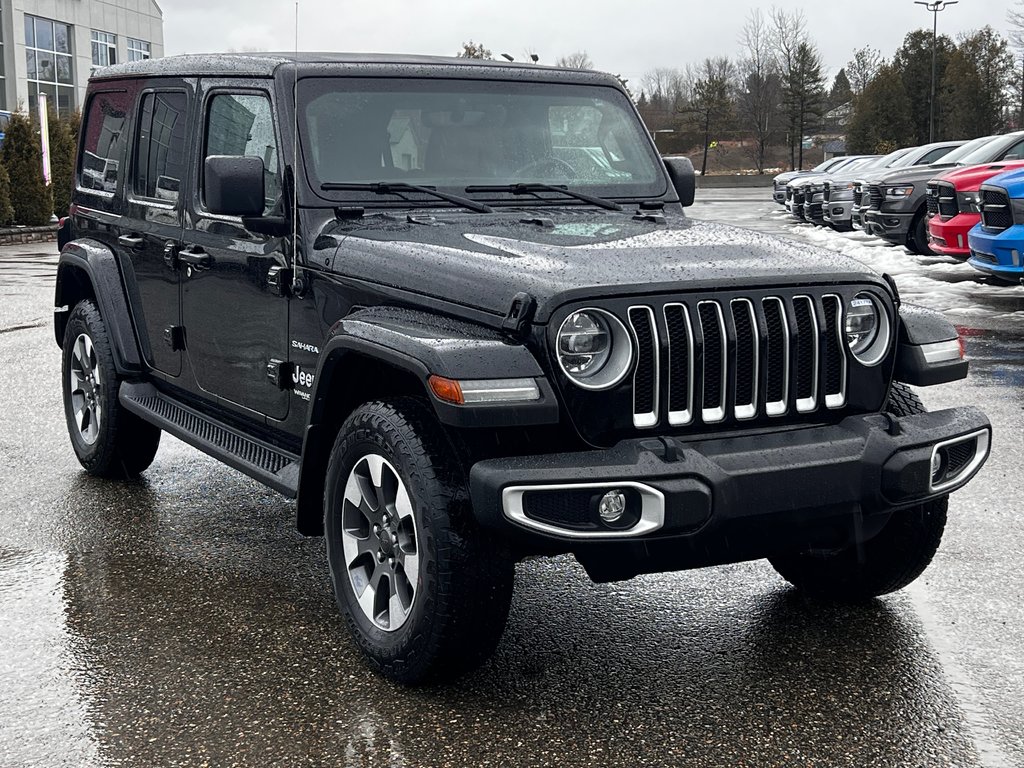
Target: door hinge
x,y
520,313
279,280
174,336
280,373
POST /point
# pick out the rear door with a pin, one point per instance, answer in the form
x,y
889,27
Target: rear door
x,y
152,227
236,321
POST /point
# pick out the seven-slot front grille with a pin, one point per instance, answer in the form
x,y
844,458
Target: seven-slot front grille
x,y
995,210
948,206
737,359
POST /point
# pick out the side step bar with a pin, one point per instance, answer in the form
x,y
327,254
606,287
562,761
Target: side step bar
x,y
261,461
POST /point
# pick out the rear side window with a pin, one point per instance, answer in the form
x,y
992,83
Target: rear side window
x,y
160,147
1016,152
934,155
243,124
103,145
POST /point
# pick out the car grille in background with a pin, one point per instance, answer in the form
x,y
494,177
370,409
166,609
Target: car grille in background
x,y
789,194
858,195
798,197
828,191
719,368
875,196
931,199
948,206
995,210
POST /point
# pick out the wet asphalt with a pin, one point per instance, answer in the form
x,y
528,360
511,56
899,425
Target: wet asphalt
x,y
181,621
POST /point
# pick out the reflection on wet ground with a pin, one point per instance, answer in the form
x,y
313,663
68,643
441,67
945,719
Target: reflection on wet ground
x,y
180,621
28,263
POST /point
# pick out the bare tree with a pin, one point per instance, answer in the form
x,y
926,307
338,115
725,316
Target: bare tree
x,y
577,60
803,83
1016,21
711,100
789,32
758,93
863,67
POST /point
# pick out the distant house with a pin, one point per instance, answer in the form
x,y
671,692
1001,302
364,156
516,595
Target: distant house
x,y
835,148
406,143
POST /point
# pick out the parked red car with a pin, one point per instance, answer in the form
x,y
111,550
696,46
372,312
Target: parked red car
x,y
952,200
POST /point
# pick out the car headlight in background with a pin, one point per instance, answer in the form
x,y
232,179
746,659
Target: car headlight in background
x,y
969,202
867,329
899,191
594,349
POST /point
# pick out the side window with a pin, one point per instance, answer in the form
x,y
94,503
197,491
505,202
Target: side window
x,y
103,146
934,155
160,146
243,124
1016,152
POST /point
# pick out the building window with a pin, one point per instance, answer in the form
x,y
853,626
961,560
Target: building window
x,y
138,50
48,55
104,49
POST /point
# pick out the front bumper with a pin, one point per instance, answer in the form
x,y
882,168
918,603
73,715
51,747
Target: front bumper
x,y
814,208
728,499
779,195
1000,254
890,226
949,237
838,213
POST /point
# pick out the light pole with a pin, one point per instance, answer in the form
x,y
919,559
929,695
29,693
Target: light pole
x,y
934,7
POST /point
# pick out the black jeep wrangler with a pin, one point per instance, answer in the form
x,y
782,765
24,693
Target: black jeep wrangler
x,y
455,308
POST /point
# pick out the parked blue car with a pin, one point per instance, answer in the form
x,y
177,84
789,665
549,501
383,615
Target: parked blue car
x,y
997,242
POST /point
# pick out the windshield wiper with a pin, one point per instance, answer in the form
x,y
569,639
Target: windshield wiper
x,y
398,187
530,188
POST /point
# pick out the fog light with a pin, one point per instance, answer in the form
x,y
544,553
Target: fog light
x,y
612,507
937,468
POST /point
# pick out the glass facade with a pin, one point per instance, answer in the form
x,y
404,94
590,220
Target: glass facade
x,y
104,49
49,62
138,50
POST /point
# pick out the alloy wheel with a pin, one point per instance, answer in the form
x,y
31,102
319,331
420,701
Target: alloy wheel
x,y
86,387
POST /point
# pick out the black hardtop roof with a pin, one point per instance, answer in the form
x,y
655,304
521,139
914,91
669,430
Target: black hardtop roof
x,y
313,63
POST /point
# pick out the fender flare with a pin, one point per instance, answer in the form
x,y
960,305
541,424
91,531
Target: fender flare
x,y
920,327
419,345
95,263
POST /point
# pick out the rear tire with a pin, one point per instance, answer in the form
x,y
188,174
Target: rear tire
x,y
423,589
108,440
890,560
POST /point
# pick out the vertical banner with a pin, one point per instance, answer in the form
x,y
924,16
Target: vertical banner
x,y
44,137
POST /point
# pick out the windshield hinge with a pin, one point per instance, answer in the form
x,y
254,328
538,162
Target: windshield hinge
x,y
520,313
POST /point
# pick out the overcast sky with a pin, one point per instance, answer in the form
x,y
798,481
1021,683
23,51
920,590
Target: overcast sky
x,y
628,38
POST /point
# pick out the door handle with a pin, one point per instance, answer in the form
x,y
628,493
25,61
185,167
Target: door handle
x,y
195,257
131,242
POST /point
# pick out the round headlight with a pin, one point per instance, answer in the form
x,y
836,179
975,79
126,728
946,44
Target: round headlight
x,y
867,329
593,349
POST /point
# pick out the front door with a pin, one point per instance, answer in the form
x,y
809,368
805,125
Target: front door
x,y
236,321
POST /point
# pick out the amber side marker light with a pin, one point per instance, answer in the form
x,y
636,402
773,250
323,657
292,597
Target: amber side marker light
x,y
478,391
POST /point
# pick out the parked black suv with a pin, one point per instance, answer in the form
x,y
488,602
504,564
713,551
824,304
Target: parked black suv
x,y
462,317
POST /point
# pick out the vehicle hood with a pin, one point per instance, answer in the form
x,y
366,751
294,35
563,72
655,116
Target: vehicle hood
x,y
788,176
1011,181
971,177
483,261
912,174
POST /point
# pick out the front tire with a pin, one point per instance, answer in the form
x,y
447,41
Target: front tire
x,y
108,440
423,590
919,236
890,560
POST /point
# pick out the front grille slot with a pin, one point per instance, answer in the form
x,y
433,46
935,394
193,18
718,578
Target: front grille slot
x,y
948,206
745,372
738,359
806,354
875,196
681,355
931,200
645,377
715,349
995,210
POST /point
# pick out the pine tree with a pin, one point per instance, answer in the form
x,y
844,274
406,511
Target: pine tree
x,y
881,118
62,161
23,158
840,93
6,211
974,88
913,62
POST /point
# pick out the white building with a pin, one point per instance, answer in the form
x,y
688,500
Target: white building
x,y
50,46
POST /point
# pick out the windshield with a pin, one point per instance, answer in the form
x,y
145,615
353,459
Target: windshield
x,y
964,150
1000,146
452,134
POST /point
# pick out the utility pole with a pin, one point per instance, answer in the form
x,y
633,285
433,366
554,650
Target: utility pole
x,y
934,7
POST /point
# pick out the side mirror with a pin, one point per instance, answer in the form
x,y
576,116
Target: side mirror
x,y
233,185
680,171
